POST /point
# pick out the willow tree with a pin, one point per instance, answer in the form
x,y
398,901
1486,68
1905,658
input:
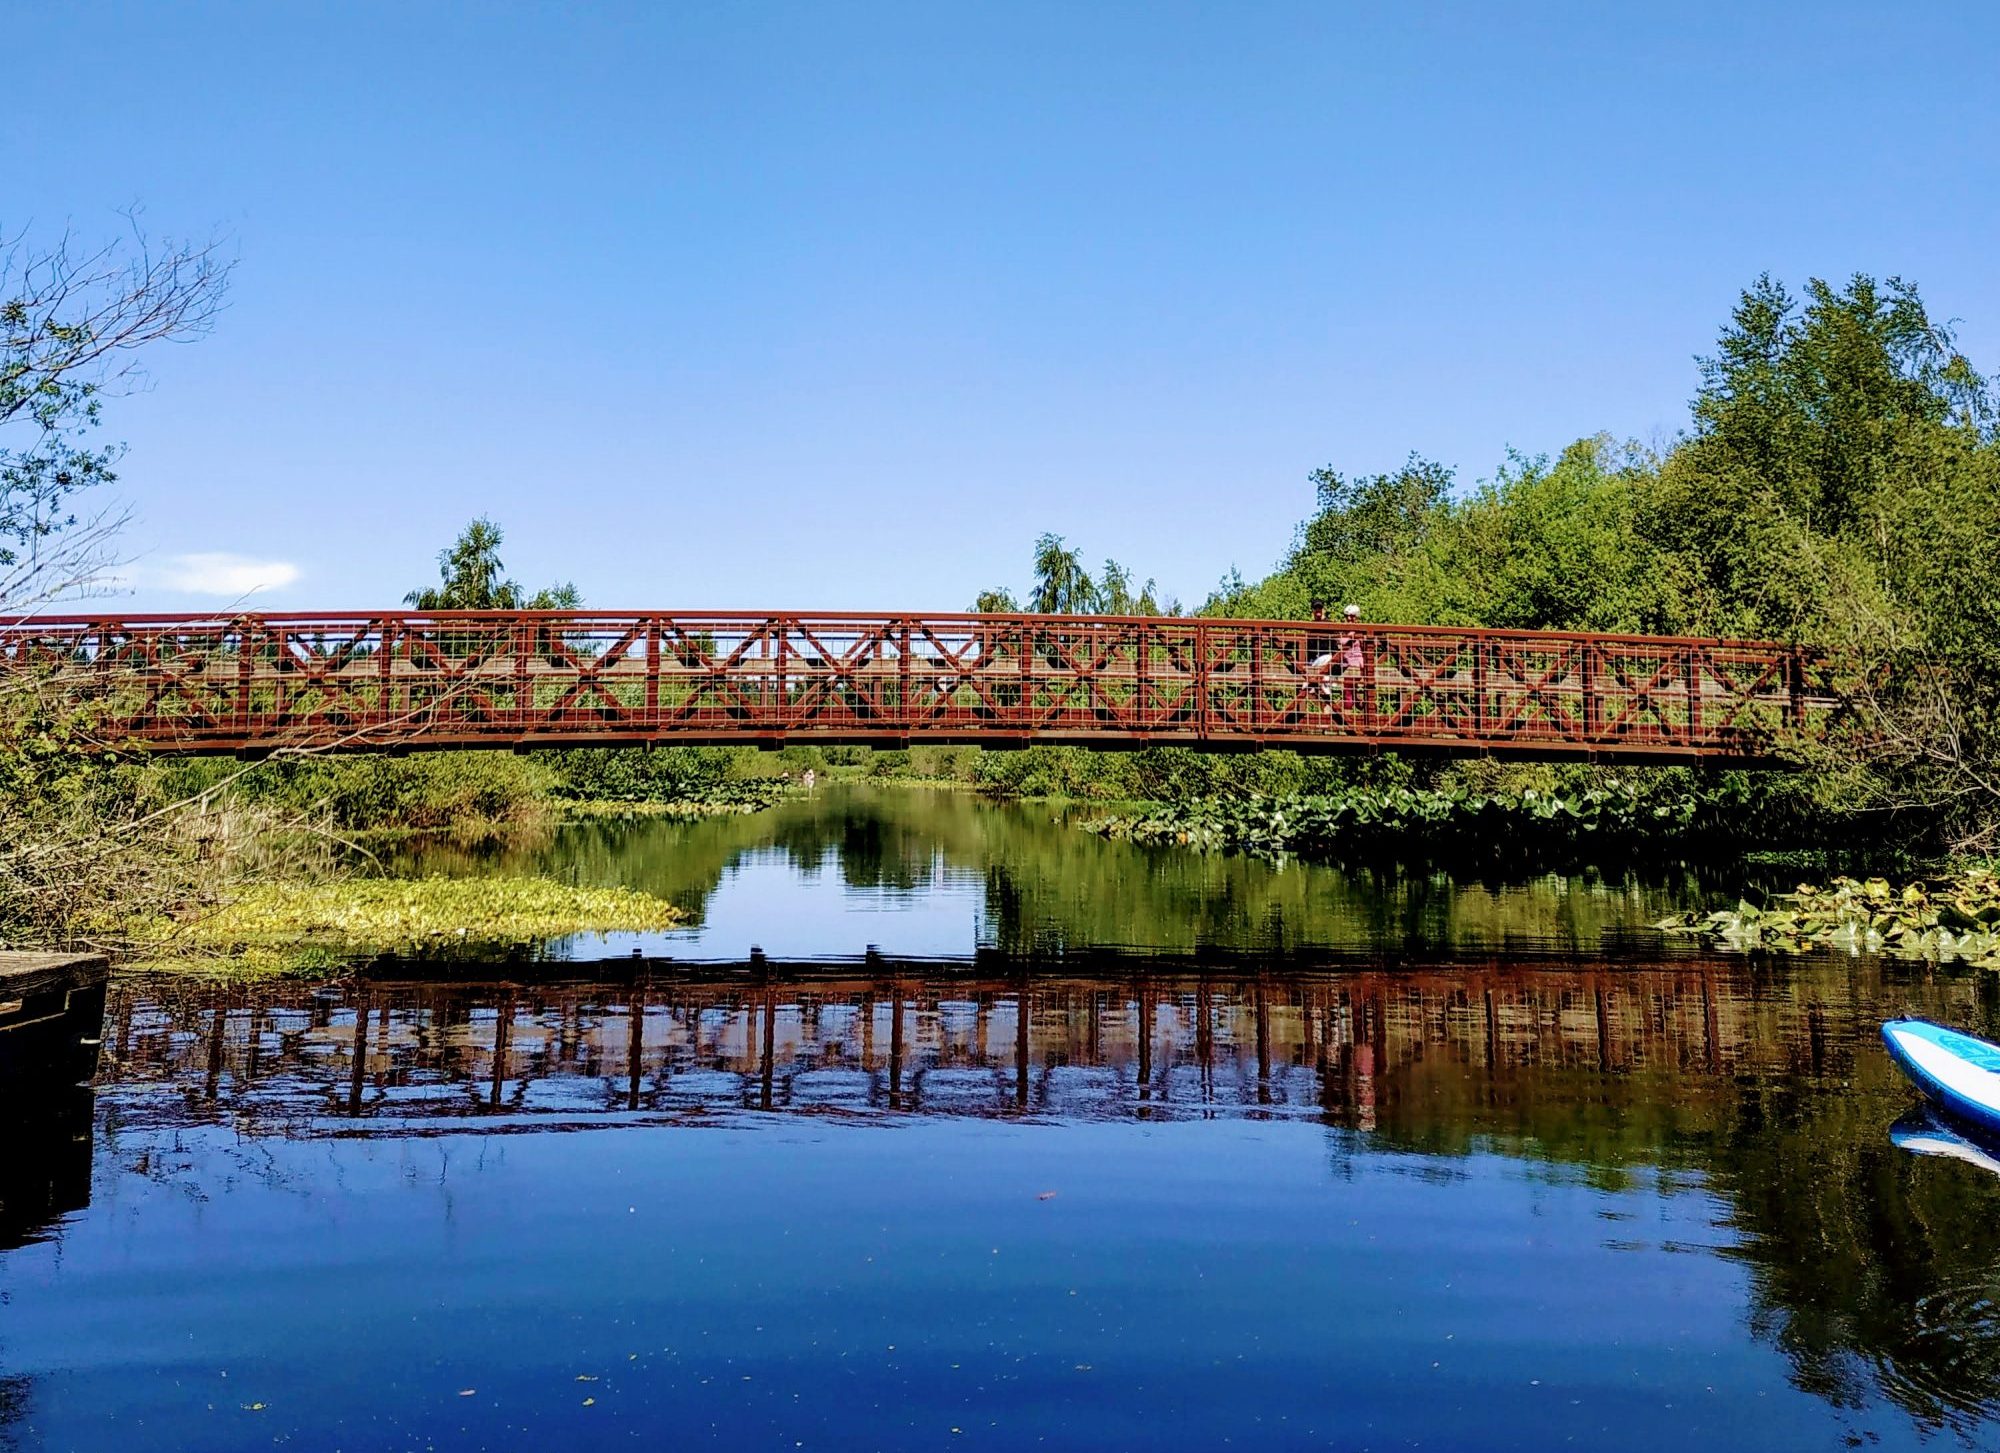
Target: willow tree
x,y
1062,585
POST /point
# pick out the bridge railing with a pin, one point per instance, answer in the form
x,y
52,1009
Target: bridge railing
x,y
254,682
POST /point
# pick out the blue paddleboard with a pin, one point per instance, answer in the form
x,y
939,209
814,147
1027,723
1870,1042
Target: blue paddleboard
x,y
1960,1074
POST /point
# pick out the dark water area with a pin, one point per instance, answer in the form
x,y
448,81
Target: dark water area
x,y
1543,1186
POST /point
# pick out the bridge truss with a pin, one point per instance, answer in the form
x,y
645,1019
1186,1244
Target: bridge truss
x,y
402,680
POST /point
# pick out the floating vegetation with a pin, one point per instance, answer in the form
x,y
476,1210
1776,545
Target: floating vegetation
x,y
1321,824
1956,918
719,799
600,810
274,927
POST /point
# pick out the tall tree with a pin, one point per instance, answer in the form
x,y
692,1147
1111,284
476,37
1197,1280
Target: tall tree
x,y
471,576
1812,424
1062,585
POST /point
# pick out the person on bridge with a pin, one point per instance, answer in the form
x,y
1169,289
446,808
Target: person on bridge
x,y
1352,659
1319,650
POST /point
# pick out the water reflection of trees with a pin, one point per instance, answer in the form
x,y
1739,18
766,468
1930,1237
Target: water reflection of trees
x,y
1052,888
1873,1271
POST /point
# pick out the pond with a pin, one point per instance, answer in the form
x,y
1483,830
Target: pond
x,y
1098,1148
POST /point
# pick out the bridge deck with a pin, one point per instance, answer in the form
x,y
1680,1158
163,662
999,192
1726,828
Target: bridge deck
x,y
401,680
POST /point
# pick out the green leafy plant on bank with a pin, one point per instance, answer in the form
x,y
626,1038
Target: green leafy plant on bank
x,y
1956,918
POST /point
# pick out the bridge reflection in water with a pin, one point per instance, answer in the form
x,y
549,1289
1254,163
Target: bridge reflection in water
x,y
1760,1093
1372,1049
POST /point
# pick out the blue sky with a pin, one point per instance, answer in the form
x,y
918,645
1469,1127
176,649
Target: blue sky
x,y
839,305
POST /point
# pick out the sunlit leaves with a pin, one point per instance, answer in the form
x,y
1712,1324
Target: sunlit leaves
x,y
1956,918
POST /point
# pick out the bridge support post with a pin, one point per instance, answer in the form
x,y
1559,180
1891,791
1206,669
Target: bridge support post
x,y
1593,712
652,672
1203,706
524,681
1691,665
905,716
1480,647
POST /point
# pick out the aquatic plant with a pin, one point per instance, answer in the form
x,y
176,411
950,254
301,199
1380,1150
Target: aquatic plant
x,y
1326,823
379,915
1955,918
598,810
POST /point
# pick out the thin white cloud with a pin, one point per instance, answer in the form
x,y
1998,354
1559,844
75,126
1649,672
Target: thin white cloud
x,y
219,573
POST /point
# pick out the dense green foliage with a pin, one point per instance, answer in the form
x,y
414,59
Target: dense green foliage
x,y
475,795
1158,773
1836,449
1839,486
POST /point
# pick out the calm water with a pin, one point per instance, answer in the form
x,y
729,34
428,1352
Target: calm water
x,y
932,873
1420,1194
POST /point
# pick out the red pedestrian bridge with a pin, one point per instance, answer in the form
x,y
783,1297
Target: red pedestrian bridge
x,y
421,680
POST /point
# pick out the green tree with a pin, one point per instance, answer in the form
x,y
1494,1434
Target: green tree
x,y
472,577
1115,596
1062,585
1365,529
1842,488
1540,546
998,601
1812,426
